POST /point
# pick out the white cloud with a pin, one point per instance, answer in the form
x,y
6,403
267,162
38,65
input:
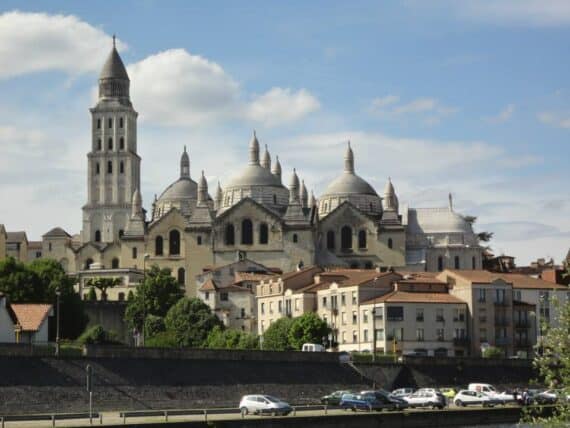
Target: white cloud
x,y
430,109
175,87
504,115
557,119
34,42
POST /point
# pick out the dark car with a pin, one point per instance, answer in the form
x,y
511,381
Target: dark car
x,y
334,398
392,403
367,402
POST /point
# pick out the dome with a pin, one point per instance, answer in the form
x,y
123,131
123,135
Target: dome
x,y
436,220
254,175
347,184
183,188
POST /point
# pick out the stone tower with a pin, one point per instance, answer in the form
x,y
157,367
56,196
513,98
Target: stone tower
x,y
113,163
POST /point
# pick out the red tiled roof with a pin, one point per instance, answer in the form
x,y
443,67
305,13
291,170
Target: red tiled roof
x,y
350,277
412,297
31,315
209,285
517,280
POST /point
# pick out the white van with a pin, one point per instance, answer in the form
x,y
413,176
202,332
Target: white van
x,y
491,391
312,347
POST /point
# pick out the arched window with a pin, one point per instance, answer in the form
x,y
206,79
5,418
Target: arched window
x,y
247,232
263,233
440,263
474,263
456,262
295,238
97,168
110,121
346,238
135,252
230,235
110,144
109,167
199,240
122,143
97,236
330,240
120,122
121,233
181,276
362,239
88,263
174,243
274,199
121,297
158,246
99,144
121,167
98,123
115,263
390,243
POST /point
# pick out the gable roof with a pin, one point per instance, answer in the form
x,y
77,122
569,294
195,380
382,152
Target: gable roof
x,y
209,285
31,315
348,205
243,201
413,297
16,236
517,280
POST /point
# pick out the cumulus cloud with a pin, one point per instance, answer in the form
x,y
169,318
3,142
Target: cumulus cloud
x,y
175,87
431,110
35,42
503,116
556,119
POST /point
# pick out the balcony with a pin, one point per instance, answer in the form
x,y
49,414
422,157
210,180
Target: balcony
x,y
439,319
522,324
461,341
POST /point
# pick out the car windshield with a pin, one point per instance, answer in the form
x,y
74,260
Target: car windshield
x,y
272,399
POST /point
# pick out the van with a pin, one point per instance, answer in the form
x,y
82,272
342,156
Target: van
x,y
312,347
491,391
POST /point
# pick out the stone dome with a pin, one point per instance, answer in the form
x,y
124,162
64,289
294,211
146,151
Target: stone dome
x,y
437,220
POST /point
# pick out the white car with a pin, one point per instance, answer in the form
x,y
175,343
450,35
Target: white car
x,y
492,392
465,398
264,404
402,392
425,399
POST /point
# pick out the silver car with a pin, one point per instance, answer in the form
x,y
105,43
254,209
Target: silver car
x,y
264,404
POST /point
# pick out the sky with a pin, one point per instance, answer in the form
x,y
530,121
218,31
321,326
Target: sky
x,y
464,97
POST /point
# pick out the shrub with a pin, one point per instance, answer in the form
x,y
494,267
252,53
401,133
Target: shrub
x,y
164,339
93,336
493,352
92,296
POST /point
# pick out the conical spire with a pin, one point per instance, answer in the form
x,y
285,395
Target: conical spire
x,y
349,160
114,80
136,206
294,187
184,165
450,202
202,190
390,201
313,200
304,195
254,150
276,171
266,161
219,196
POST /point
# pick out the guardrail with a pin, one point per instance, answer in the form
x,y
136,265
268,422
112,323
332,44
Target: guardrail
x,y
53,417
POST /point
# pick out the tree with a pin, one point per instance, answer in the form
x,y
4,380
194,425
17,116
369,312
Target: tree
x,y
155,296
153,325
485,236
493,352
103,284
92,295
308,328
553,366
190,320
276,337
219,338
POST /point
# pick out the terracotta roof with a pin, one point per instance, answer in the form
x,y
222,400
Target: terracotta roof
x,y
294,273
419,277
235,288
31,315
351,277
313,288
412,297
209,285
517,280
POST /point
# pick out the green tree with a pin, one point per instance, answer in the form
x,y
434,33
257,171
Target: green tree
x,y
103,284
219,338
153,325
493,352
92,295
276,337
155,296
20,283
308,328
190,320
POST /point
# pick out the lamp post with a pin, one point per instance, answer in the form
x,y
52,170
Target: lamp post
x,y
145,256
57,294
374,333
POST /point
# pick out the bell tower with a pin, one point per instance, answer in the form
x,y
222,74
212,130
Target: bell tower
x,y
113,165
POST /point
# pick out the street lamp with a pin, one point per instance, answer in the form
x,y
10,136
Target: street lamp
x,y
145,257
57,293
374,333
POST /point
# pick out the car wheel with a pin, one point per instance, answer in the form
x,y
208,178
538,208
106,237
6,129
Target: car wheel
x,y
244,410
354,409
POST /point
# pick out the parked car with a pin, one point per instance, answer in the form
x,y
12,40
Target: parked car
x,y
392,403
492,392
264,404
313,347
466,398
367,402
550,396
426,399
402,392
334,398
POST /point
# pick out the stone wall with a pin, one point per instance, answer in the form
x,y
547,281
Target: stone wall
x,y
111,316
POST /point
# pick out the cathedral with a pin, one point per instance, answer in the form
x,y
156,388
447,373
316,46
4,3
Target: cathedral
x,y
255,216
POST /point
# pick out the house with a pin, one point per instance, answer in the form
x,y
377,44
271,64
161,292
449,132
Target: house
x,y
6,321
31,322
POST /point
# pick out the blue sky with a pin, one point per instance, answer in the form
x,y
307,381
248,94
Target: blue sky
x,y
444,96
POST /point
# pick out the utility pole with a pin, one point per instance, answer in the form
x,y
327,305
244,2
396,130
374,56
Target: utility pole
x,y
145,256
57,293
89,385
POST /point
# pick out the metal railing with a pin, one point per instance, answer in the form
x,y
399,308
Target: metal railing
x,y
53,417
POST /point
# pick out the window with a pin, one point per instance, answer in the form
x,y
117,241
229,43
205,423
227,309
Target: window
x,y
99,144
97,236
499,296
110,122
199,240
330,240
420,334
518,295
279,306
324,302
354,317
270,307
121,168
296,304
390,243
354,336
224,297
395,313
122,143
207,295
365,335
440,263
246,232
380,334
121,233
440,334
121,122
482,335
115,263
121,297
346,238
242,312
343,318
263,309
295,238
344,337
419,314
88,263
482,315
174,243
364,316
274,199
229,235
50,246
181,276
109,167
134,252
482,295
343,299
97,168
263,233
98,123
354,299
110,144
456,262
473,263
439,315
158,246
362,239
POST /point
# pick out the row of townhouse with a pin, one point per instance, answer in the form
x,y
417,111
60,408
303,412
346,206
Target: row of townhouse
x,y
452,313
